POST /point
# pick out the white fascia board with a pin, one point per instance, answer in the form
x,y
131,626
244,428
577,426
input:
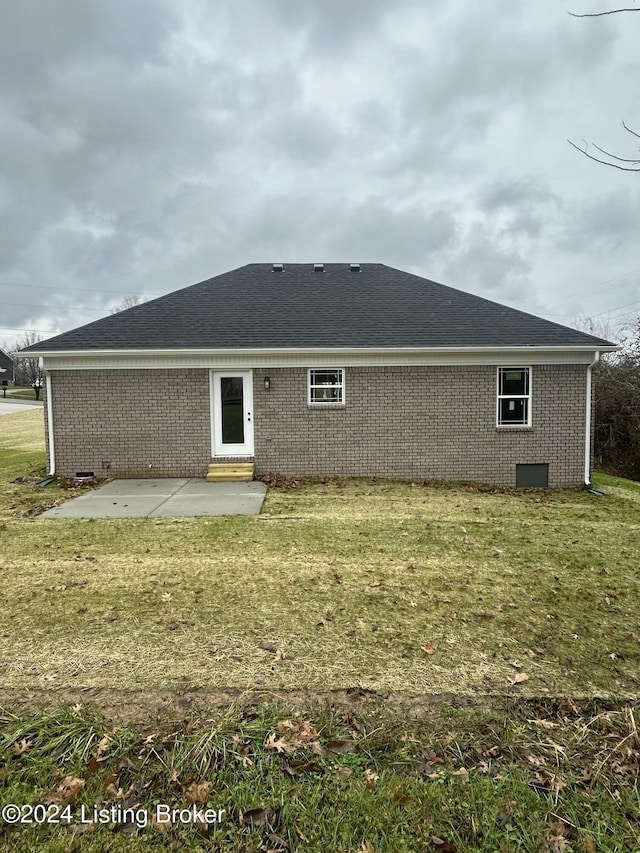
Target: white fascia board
x,y
310,357
264,352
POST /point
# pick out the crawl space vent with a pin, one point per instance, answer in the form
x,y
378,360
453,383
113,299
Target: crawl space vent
x,y
532,476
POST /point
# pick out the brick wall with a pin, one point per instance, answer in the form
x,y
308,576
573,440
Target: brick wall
x,y
406,422
118,422
421,423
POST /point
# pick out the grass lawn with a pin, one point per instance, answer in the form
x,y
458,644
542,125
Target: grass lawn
x,y
474,653
382,586
21,392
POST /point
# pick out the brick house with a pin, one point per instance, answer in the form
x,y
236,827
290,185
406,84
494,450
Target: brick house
x,y
6,369
322,370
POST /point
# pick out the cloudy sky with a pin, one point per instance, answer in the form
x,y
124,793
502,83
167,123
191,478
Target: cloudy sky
x,y
148,145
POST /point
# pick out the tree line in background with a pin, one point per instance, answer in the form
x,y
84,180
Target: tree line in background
x,y
27,372
617,410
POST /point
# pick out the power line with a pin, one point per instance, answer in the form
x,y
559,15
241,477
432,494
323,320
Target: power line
x,y
30,329
78,289
611,310
596,288
40,306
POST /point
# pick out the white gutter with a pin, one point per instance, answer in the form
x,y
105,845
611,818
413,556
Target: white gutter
x,y
52,452
587,436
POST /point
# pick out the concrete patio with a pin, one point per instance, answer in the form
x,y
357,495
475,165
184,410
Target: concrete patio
x,y
166,498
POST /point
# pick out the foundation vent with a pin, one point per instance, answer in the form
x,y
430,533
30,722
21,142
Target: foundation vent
x,y
534,476
277,268
354,267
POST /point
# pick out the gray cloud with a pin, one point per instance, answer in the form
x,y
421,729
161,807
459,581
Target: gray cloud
x,y
606,223
151,145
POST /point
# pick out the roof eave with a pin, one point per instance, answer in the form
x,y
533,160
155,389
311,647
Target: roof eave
x,y
266,351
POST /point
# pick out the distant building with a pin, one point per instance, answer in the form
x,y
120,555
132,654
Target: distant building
x,y
6,369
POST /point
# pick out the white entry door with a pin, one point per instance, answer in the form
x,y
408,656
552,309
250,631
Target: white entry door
x,y
232,412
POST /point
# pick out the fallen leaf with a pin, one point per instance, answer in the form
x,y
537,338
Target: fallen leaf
x,y
370,779
402,799
589,845
444,846
256,817
518,678
543,724
197,793
340,747
278,744
103,746
162,825
297,768
22,747
343,773
67,792
558,843
462,773
426,762
293,736
429,648
279,655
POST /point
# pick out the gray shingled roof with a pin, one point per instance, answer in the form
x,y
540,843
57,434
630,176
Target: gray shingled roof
x,y
254,307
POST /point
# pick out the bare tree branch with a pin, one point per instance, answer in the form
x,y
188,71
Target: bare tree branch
x,y
600,14
614,156
604,162
628,128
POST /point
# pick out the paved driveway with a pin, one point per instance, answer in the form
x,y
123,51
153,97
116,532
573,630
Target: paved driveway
x,y
8,407
163,498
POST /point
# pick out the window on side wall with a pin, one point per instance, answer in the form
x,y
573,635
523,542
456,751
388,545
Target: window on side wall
x,y
514,396
326,387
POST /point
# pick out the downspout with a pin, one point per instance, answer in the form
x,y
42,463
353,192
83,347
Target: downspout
x,y
52,453
587,437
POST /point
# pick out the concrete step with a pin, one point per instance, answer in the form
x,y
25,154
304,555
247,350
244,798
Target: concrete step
x,y
230,472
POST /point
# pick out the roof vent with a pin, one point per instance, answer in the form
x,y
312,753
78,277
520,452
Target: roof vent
x,y
354,267
277,268
318,267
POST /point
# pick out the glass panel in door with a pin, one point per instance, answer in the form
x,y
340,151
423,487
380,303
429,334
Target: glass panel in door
x,y
232,409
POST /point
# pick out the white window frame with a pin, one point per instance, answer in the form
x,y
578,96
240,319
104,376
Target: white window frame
x,y
322,404
527,397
